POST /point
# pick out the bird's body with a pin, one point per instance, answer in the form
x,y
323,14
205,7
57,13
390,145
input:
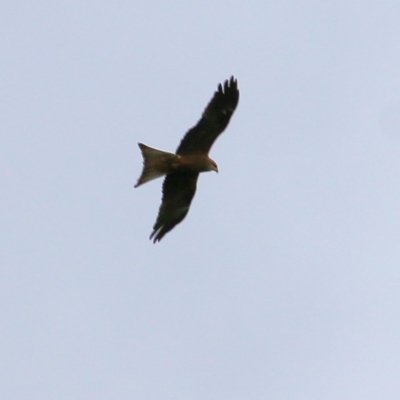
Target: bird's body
x,y
182,169
159,163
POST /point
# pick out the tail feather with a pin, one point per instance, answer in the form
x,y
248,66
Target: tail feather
x,y
156,163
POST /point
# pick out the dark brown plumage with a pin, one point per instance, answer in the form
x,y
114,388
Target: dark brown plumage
x,y
182,169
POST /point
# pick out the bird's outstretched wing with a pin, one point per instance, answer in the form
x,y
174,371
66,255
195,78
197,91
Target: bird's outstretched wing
x,y
214,120
178,191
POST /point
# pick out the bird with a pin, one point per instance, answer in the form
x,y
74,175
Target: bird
x,y
182,169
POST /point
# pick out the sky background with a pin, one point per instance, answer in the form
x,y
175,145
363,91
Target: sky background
x,y
284,280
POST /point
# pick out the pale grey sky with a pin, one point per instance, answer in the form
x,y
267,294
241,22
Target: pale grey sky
x,y
284,280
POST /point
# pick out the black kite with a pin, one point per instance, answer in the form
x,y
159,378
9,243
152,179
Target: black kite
x,y
182,169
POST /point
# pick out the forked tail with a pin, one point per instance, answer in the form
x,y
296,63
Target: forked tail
x,y
156,163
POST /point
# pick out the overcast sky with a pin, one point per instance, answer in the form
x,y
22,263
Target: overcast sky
x,y
284,280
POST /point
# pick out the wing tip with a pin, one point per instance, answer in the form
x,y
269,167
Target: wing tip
x,y
229,85
157,234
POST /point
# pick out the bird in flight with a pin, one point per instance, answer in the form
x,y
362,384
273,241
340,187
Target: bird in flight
x,y
182,169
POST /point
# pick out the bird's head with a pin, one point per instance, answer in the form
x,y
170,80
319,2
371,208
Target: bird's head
x,y
212,165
